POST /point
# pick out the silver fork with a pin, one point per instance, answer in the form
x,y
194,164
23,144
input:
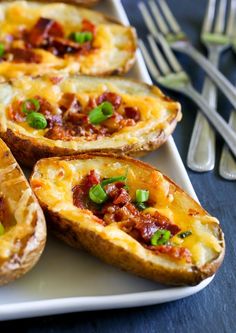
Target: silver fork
x,y
171,75
201,153
227,162
179,42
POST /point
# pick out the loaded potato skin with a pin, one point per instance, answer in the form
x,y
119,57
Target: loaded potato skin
x,y
168,237
83,114
22,223
38,38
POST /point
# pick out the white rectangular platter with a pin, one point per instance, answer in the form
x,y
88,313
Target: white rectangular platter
x,y
67,280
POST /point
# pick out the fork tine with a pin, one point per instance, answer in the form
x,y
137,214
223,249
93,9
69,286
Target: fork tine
x,y
209,16
148,60
158,18
164,67
169,16
231,26
169,54
148,19
220,19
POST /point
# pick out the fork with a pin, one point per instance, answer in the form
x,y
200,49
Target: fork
x,y
201,153
172,76
227,162
178,41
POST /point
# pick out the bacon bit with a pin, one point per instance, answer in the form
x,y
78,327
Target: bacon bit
x,y
88,26
44,28
122,197
111,97
60,46
69,103
133,113
15,113
173,251
149,224
79,197
55,79
193,212
25,55
91,179
57,132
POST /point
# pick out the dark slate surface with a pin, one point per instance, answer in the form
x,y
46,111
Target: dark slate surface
x,y
214,308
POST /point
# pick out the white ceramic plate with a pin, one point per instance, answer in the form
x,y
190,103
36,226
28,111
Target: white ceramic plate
x,y
66,280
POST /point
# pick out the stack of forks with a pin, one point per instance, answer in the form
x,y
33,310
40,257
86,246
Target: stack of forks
x,y
218,34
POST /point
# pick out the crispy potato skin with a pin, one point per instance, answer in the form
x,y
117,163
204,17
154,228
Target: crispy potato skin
x,y
79,237
22,259
29,150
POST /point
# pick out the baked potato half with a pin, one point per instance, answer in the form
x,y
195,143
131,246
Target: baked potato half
x,y
83,114
36,38
22,223
130,215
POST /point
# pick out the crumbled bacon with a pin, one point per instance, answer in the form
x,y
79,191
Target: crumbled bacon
x,y
111,97
69,103
148,224
132,113
80,192
88,26
122,197
173,251
44,28
15,113
24,55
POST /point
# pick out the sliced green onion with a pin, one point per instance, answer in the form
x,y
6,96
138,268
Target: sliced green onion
x,y
160,237
2,49
30,105
36,120
185,234
113,180
97,194
141,205
142,195
101,113
2,229
81,37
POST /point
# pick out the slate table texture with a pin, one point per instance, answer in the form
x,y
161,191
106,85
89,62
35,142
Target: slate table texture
x,y
214,308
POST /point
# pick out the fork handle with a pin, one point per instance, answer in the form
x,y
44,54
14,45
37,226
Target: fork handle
x,y
227,162
219,79
217,121
201,152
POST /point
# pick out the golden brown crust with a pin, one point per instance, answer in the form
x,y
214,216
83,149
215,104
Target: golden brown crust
x,y
28,150
76,235
29,232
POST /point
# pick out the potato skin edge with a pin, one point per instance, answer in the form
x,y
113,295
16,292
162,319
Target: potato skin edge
x,y
23,261
79,237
